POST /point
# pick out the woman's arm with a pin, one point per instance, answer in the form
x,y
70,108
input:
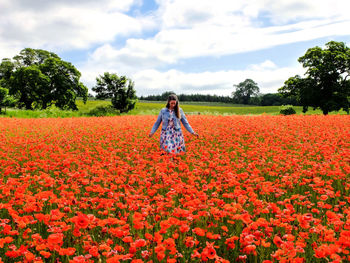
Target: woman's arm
x,y
185,122
156,124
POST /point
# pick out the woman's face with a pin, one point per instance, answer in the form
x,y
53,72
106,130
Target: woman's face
x,y
172,104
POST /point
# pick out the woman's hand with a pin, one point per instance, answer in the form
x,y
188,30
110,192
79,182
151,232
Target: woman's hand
x,y
195,134
150,135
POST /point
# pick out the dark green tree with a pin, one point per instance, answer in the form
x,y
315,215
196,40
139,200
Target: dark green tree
x,y
119,89
188,97
245,91
29,86
271,99
5,99
65,85
325,84
166,94
39,79
6,70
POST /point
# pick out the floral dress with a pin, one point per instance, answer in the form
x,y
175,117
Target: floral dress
x,y
172,140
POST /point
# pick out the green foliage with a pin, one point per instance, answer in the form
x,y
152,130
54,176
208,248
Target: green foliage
x,y
29,85
51,112
99,111
119,89
39,79
276,99
245,91
287,110
5,99
269,99
6,69
326,85
188,97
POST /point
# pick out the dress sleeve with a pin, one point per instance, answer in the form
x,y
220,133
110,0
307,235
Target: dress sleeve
x,y
185,122
157,123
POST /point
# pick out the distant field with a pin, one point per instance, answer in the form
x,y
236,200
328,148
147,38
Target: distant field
x,y
215,108
152,108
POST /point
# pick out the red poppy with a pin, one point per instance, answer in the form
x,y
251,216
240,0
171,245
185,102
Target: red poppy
x,y
98,186
81,221
277,241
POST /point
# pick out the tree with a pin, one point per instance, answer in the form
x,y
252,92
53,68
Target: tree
x,y
39,79
244,91
29,84
189,97
276,99
325,85
5,99
165,95
6,70
119,89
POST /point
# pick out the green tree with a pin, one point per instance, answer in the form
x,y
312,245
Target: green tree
x,y
28,84
5,99
245,91
188,97
271,99
39,79
325,84
6,70
65,85
119,89
166,94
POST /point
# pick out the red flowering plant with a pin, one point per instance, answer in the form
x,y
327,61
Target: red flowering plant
x,y
250,189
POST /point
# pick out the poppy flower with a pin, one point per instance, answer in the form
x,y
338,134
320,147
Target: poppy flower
x,y
277,241
81,221
256,185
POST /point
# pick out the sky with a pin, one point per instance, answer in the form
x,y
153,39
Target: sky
x,y
184,46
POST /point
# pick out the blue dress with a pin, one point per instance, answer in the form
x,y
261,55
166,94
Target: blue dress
x,y
172,140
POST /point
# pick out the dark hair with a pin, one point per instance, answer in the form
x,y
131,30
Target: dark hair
x,y
176,108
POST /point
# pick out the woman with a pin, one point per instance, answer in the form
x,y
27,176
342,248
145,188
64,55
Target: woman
x,y
171,137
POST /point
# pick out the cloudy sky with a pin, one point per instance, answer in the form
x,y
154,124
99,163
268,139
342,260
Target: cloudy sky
x,y
187,46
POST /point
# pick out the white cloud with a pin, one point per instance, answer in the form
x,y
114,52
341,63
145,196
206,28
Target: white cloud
x,y
44,5
215,28
123,62
65,25
187,29
289,10
186,14
268,77
267,64
172,45
183,13
151,81
198,28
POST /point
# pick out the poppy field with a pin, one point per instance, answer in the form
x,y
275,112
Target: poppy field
x,y
249,189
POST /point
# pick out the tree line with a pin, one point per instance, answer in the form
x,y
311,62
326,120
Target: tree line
x,y
188,97
38,79
269,99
